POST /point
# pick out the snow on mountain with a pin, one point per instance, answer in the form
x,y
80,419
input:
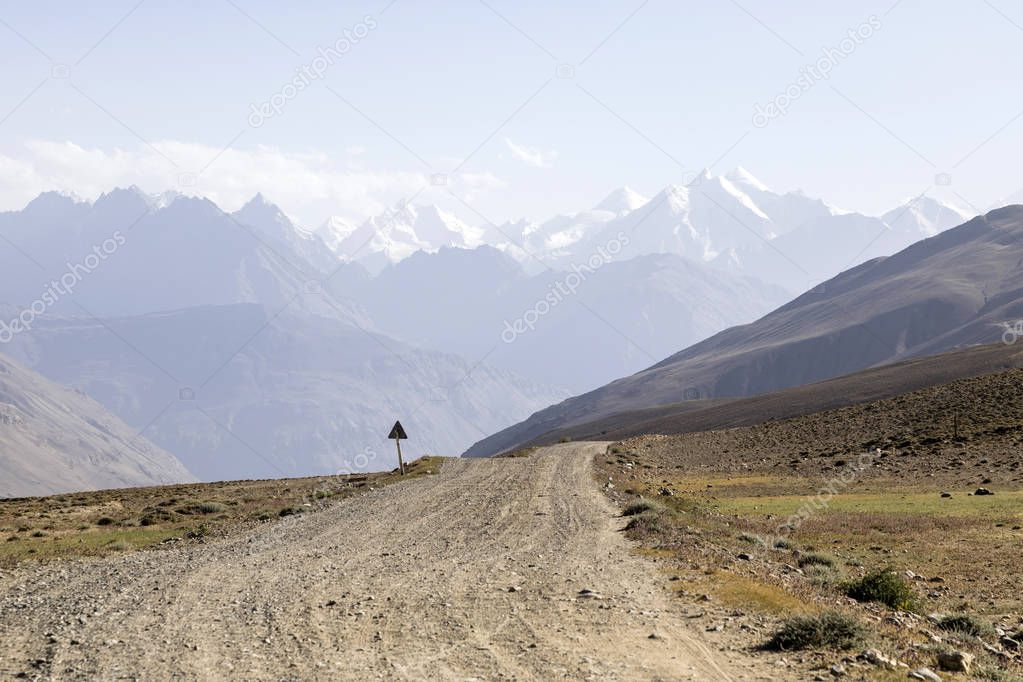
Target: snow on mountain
x,y
621,200
403,230
203,329
334,231
926,216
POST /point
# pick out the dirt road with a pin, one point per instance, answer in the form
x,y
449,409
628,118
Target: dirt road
x,y
474,573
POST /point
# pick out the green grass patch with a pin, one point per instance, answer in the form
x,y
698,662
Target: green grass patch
x,y
1001,505
886,587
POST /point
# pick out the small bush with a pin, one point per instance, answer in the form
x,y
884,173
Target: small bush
x,y
647,524
965,624
782,543
813,559
289,511
829,630
886,587
639,507
105,521
39,534
751,538
118,546
199,532
153,516
211,508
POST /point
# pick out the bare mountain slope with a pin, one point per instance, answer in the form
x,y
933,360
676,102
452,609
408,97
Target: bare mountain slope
x,y
956,288
54,439
876,383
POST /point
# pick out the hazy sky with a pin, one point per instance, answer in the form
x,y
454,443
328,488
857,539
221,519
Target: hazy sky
x,y
529,107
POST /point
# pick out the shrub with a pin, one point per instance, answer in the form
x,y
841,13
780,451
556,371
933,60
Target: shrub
x,y
646,524
105,521
886,587
155,515
829,630
782,543
751,538
965,624
639,507
289,511
118,546
199,532
202,508
813,559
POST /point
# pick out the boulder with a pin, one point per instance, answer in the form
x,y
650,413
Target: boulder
x,y
955,661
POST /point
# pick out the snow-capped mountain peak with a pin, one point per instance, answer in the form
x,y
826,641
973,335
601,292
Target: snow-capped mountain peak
x,y
401,231
621,200
926,216
742,177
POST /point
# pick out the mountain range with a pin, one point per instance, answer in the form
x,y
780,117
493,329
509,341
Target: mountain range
x,y
732,222
248,346
958,288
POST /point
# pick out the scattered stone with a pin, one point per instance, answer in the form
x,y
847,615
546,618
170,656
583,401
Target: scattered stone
x,y
1009,643
745,557
665,492
876,658
982,491
655,635
924,674
514,588
955,661
946,494
837,670
589,594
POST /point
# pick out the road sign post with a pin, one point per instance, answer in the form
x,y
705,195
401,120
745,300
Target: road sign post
x,y
398,434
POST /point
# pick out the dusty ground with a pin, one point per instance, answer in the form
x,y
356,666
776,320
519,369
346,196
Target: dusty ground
x,y
475,573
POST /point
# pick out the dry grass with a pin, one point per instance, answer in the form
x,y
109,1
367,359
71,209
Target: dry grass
x,y
745,525
112,521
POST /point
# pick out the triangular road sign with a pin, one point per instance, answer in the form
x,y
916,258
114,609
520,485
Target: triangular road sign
x,y
397,432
